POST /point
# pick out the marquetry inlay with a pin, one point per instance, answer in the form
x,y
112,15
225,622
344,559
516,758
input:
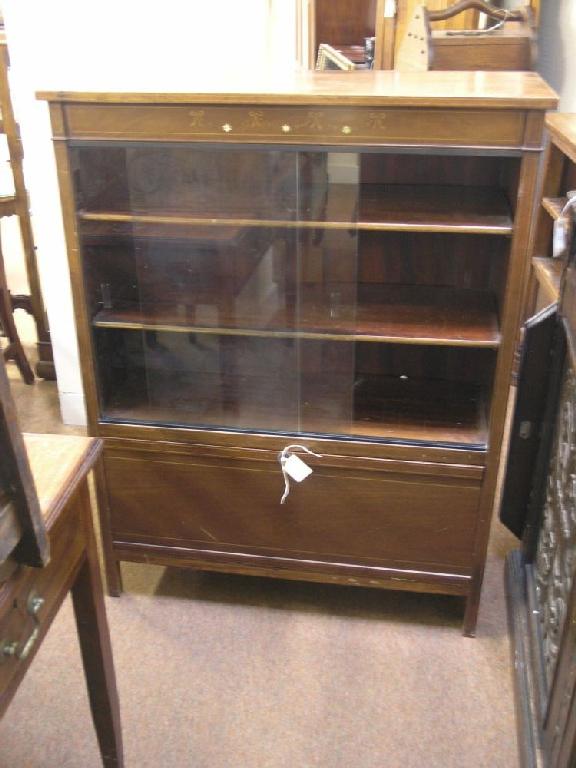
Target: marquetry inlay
x,y
278,124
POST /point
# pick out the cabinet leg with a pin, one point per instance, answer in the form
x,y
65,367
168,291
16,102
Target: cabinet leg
x,y
111,564
114,576
471,611
94,637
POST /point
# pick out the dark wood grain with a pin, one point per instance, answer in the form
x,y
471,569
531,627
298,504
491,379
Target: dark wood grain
x,y
388,511
399,314
343,22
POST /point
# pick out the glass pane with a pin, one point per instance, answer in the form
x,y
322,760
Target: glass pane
x,y
327,297
248,288
202,184
204,327
221,322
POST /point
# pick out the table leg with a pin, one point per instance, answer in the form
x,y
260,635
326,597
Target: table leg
x,y
94,637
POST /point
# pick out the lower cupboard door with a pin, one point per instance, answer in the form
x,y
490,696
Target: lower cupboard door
x,y
395,518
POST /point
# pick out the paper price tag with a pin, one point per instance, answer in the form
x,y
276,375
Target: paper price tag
x,y
561,236
296,468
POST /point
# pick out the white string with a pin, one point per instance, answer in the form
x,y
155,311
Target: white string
x,y
283,458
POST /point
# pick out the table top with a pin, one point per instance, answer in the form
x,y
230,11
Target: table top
x,y
59,463
365,88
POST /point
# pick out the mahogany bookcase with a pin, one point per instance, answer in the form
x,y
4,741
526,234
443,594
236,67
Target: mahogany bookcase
x,y
332,260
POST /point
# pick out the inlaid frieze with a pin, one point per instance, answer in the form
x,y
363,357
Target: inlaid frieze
x,y
289,124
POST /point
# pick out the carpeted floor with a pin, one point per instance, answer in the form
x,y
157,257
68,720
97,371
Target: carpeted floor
x,y
218,671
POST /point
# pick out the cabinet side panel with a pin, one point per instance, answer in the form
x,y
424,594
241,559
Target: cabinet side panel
x,y
510,323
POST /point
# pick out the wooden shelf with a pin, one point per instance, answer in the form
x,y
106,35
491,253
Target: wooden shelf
x,y
382,207
398,314
201,235
548,273
435,208
421,410
411,410
554,206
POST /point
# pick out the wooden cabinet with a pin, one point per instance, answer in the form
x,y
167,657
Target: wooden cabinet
x,y
559,180
332,261
540,492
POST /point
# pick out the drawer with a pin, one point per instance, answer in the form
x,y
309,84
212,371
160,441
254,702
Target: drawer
x,y
399,514
50,583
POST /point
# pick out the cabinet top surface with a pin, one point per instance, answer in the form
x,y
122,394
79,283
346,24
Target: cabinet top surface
x,y
562,127
377,88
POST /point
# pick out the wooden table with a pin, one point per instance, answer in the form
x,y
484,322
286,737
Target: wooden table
x,y
31,597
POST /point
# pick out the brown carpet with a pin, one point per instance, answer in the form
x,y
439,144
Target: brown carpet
x,y
217,671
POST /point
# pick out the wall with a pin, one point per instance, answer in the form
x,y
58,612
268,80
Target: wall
x,y
557,60
118,45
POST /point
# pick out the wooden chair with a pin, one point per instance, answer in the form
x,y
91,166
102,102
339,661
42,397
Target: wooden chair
x,y
17,205
48,549
508,43
14,350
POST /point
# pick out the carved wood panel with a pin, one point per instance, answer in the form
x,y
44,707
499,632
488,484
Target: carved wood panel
x,y
556,549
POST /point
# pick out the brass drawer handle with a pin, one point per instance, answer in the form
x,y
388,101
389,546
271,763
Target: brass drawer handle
x,y
9,649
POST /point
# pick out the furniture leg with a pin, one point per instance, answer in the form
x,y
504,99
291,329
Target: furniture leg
x,y
96,648
472,607
14,350
111,564
114,578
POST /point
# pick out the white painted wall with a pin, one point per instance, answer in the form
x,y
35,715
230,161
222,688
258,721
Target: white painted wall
x,y
557,49
118,45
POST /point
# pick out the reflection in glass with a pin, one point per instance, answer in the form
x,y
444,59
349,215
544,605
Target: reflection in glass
x,y
241,289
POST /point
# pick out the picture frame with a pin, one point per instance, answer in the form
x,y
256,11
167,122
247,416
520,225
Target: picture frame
x,y
329,58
